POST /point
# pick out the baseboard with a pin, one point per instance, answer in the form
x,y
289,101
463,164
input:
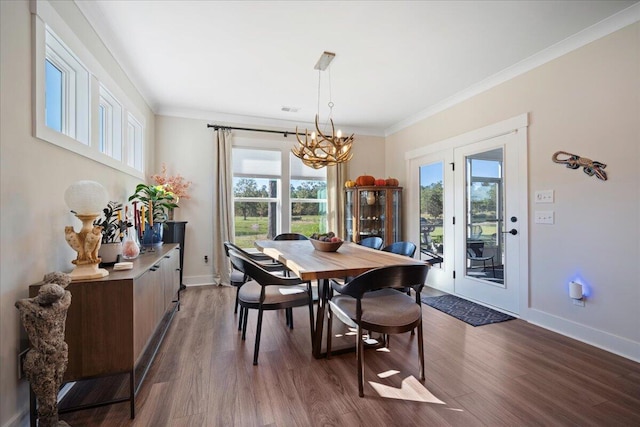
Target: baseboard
x,y
199,280
595,337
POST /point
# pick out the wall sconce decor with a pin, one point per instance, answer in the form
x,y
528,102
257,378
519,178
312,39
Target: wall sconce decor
x,y
86,200
573,161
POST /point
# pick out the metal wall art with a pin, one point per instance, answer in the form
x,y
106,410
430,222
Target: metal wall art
x,y
573,161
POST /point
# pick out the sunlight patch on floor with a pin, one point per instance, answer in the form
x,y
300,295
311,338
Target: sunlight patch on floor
x,y
411,389
388,373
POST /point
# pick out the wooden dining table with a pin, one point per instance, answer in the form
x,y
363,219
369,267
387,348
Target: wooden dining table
x,y
309,264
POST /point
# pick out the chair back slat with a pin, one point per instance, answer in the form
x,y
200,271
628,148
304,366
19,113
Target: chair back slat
x,y
398,276
257,272
291,236
373,242
401,248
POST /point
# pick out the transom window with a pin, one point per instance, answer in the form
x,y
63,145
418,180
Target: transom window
x,y
78,106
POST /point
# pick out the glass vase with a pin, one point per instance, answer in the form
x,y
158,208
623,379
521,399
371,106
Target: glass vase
x,y
130,245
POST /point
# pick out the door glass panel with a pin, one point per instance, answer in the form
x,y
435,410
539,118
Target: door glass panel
x,y
484,216
431,214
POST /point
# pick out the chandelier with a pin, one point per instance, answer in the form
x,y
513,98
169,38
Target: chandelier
x,y
323,149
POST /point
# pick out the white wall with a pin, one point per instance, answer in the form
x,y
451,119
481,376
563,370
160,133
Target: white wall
x,y
588,103
33,177
187,147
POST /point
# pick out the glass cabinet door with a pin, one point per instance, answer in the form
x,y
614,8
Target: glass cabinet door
x,y
395,220
348,216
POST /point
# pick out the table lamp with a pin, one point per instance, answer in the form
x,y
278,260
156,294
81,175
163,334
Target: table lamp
x,y
86,199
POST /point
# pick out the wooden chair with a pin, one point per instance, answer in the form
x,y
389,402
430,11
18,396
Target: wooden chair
x,y
374,242
268,291
381,310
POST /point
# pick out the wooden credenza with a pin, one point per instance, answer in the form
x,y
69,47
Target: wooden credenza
x,y
116,324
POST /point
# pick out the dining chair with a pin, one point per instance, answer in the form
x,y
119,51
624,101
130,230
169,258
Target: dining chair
x,y
407,249
368,303
401,248
267,291
373,242
238,277
291,236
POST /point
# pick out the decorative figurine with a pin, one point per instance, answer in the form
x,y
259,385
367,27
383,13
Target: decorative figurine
x,y
44,317
574,162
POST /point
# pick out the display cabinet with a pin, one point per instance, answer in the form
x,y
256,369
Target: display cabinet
x,y
373,211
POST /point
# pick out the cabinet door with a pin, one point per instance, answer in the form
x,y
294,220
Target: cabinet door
x,y
146,308
170,277
349,216
394,217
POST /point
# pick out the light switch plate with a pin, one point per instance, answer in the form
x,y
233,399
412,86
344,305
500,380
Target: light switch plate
x,y
544,196
544,217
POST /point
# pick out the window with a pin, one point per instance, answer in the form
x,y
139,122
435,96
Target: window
x,y
110,131
308,194
66,90
134,143
53,96
78,106
263,207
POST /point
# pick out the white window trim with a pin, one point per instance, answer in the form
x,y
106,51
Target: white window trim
x,y
43,16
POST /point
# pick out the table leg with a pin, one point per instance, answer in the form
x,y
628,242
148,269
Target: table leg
x,y
323,296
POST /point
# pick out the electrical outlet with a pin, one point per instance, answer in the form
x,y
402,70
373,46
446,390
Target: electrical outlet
x,y
544,196
206,259
544,217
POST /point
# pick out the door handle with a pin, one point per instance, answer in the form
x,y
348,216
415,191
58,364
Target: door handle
x,y
513,231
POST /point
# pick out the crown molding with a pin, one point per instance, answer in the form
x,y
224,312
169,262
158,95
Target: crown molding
x,y
601,29
239,119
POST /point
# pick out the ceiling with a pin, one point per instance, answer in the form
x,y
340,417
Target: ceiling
x,y
395,61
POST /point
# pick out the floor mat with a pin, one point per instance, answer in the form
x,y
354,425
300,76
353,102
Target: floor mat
x,y
467,311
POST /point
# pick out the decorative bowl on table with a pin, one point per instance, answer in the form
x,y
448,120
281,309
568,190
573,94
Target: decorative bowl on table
x,y
319,245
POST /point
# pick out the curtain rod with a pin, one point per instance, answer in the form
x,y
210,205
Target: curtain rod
x,y
283,132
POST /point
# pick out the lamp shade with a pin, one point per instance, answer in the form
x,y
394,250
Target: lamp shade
x,y
86,197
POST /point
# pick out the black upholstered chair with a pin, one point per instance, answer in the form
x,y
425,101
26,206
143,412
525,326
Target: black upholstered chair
x,y
291,236
401,248
267,291
374,242
238,277
368,303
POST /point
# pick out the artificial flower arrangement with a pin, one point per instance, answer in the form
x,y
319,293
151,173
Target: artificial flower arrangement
x,y
175,184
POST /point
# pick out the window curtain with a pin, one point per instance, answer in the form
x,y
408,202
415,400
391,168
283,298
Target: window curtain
x,y
222,206
336,177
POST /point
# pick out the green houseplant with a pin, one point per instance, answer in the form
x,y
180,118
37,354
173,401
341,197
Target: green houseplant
x,y
156,202
113,228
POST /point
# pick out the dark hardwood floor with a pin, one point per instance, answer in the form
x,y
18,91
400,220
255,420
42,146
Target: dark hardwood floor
x,y
510,373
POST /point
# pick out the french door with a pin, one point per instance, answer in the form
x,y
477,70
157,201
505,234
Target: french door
x,y
472,205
